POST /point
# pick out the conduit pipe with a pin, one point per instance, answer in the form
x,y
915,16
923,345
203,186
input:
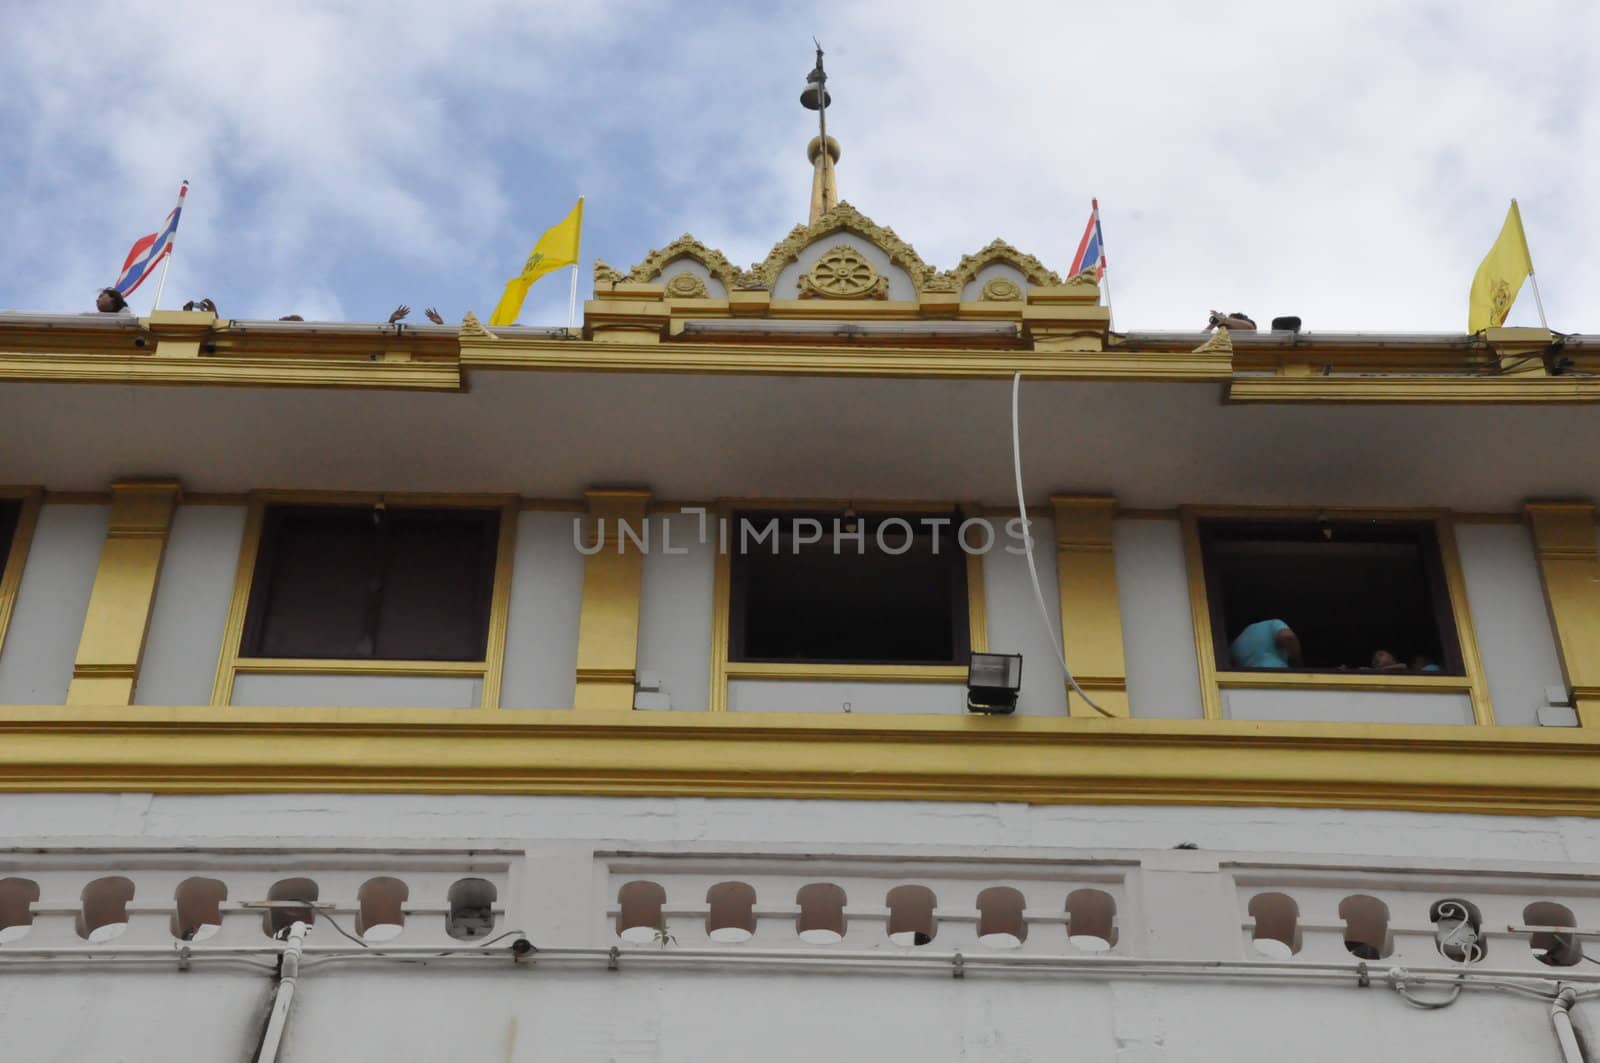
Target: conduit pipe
x,y
283,996
1561,1018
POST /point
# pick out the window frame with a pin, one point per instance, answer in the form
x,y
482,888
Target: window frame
x,y
1214,679
233,662
14,558
724,669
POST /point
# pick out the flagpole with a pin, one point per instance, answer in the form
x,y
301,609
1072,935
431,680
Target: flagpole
x,y
1105,281
161,285
1537,298
572,295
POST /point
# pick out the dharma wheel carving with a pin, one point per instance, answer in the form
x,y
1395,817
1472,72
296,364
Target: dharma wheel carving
x,y
843,273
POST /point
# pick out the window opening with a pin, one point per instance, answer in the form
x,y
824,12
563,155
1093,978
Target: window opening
x,y
365,582
899,596
1352,595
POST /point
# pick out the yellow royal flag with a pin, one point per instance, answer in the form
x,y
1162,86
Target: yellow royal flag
x,y
1500,277
556,248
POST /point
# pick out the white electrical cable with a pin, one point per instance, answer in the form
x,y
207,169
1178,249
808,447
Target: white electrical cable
x,y
1027,537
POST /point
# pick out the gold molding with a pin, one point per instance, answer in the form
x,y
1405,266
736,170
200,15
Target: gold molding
x,y
106,669
685,246
608,621
15,560
997,250
1001,289
841,217
542,353
722,669
1464,389
230,664
1213,680
76,368
1460,769
1091,611
687,285
1569,572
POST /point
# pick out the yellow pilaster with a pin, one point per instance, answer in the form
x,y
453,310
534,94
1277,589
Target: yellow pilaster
x,y
1564,535
107,666
608,625
1091,615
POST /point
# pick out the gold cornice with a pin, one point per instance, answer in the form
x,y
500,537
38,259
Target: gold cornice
x,y
1504,770
685,246
842,217
73,368
540,353
1464,389
1000,251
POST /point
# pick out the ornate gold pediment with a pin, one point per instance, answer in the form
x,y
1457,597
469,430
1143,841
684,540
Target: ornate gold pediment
x,y
685,246
1000,251
843,272
841,218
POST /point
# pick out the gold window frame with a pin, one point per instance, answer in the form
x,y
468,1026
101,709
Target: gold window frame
x,y
16,558
1214,680
490,670
723,670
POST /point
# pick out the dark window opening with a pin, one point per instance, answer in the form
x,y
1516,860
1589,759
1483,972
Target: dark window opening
x,y
901,600
1347,589
10,514
361,582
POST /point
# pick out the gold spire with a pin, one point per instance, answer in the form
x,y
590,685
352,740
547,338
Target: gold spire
x,y
824,188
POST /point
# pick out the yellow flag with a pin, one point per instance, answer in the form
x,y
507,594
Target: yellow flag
x,y
1500,277
556,248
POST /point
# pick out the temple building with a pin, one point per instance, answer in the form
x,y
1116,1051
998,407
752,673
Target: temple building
x,y
694,685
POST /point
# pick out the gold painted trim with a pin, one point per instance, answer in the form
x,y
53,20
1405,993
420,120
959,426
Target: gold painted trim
x,y
745,358
865,673
1569,575
1466,389
1039,760
117,621
1090,607
231,664
608,617
335,666
1343,681
723,670
71,367
16,559
1212,682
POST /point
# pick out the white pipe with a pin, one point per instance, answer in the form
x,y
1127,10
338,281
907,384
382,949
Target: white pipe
x,y
283,997
1027,543
1561,1019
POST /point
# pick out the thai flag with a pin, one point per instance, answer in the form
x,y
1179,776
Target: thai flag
x,y
148,250
1092,248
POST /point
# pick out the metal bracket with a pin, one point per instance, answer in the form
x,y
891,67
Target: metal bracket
x,y
184,955
1363,975
958,967
612,957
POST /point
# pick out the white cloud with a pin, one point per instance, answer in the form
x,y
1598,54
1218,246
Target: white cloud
x,y
1349,163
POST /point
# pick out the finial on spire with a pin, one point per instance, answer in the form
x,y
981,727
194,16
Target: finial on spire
x,y
815,97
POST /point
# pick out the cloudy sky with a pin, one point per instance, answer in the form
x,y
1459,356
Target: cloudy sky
x,y
1347,162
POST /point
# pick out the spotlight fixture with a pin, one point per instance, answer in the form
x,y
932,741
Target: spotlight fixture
x,y
993,680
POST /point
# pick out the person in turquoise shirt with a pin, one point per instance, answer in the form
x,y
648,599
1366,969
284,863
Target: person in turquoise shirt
x,y
1266,644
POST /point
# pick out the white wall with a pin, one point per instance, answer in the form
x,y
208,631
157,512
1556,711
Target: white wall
x,y
567,854
1347,706
546,597
359,691
675,608
1014,623
191,607
838,696
1506,596
1157,631
47,618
